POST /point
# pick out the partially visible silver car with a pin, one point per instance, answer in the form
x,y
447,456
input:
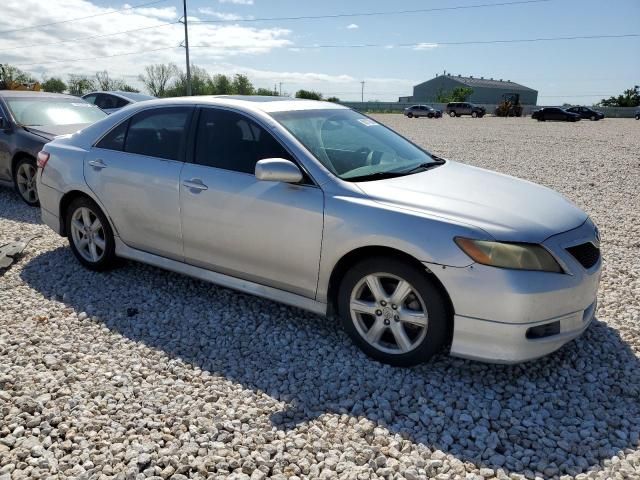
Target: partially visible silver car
x,y
317,206
417,111
113,101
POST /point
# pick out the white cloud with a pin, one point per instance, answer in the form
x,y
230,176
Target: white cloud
x,y
237,2
219,15
211,42
353,26
425,46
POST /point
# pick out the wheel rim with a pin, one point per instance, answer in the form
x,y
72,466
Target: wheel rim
x,y
452,114
88,234
388,313
26,181
474,114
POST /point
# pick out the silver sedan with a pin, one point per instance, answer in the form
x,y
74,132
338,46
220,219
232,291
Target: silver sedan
x,y
317,206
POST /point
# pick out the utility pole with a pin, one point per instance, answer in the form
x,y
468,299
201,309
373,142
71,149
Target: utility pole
x,y
186,46
362,83
280,88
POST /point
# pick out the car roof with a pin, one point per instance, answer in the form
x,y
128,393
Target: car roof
x,y
250,102
32,94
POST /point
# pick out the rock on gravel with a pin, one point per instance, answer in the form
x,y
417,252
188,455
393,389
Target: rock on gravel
x,y
140,373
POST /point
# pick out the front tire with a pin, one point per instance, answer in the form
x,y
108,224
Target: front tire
x,y
90,235
474,114
452,114
392,311
24,180
410,115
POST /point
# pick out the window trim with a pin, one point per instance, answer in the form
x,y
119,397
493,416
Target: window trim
x,y
193,140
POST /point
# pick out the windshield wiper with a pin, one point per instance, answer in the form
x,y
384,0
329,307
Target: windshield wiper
x,y
374,176
425,166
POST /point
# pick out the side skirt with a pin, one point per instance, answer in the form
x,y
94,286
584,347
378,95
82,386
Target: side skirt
x,y
124,251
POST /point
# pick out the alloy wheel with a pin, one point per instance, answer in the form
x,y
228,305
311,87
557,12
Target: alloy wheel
x,y
88,234
389,313
26,182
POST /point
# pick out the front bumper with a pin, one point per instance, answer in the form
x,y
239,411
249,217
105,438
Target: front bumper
x,y
495,308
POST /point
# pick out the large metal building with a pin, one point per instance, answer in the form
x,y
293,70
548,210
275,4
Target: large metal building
x,y
485,90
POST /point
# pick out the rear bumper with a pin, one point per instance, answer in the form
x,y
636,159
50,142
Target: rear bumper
x,y
49,205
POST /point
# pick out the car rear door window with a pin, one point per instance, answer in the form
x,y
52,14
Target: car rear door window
x,y
159,132
231,141
114,140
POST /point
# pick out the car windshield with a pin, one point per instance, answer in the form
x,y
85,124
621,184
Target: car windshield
x,y
352,146
33,112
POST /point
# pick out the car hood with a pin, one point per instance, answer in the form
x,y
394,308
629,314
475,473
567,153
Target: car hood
x,y
51,131
507,208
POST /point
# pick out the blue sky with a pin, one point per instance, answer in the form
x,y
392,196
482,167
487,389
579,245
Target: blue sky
x,y
577,71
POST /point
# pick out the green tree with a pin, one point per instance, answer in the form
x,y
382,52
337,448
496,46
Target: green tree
x,y
266,92
156,78
221,85
333,99
80,84
54,84
10,75
458,94
125,87
629,98
242,85
309,95
200,83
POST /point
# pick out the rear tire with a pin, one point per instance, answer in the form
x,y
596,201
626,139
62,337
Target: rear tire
x,y
90,235
24,180
393,311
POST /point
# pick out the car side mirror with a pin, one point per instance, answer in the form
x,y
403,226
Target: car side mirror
x,y
278,170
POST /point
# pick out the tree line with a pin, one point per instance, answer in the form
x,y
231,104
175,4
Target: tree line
x,y
160,80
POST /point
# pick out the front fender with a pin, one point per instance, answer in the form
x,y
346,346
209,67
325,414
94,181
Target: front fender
x,y
354,222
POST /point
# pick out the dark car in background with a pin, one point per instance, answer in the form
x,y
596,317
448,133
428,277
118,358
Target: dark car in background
x,y
637,114
587,113
113,101
28,120
457,109
418,111
555,113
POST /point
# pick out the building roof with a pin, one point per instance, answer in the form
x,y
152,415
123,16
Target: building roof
x,y
485,82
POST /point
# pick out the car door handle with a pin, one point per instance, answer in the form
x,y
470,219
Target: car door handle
x,y
98,164
195,184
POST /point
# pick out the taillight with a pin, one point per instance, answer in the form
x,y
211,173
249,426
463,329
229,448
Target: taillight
x,y
43,158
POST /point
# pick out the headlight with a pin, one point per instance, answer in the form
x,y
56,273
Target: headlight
x,y
520,256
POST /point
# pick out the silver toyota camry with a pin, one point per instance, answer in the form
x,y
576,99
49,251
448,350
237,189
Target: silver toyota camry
x,y
317,206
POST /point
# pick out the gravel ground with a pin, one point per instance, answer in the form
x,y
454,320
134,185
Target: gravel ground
x,y
140,373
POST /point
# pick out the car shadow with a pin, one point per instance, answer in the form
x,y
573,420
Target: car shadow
x,y
13,208
563,414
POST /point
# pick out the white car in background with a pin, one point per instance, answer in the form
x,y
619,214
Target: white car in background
x,y
110,102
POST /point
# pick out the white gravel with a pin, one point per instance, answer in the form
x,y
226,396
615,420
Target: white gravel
x,y
140,373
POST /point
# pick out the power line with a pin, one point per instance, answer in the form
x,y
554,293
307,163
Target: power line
x,y
468,42
372,14
371,45
79,39
98,58
131,7
435,44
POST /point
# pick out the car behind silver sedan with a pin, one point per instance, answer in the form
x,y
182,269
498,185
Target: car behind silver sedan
x,y
317,206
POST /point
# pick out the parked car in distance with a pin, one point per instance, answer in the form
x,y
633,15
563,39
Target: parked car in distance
x,y
555,113
457,109
586,113
318,206
113,101
418,111
28,120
